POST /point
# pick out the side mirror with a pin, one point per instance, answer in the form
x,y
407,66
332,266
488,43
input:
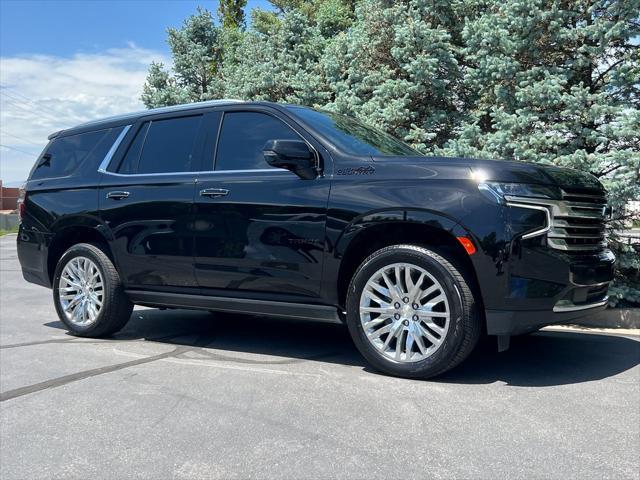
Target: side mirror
x,y
293,155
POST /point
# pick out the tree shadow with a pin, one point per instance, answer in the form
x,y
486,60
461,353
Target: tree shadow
x,y
543,359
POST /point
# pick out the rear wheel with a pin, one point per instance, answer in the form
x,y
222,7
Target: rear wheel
x,y
411,313
88,294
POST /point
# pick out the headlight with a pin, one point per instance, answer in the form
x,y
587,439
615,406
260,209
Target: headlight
x,y
497,191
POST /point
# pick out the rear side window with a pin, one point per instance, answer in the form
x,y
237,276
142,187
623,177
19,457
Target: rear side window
x,y
74,154
243,136
163,146
132,157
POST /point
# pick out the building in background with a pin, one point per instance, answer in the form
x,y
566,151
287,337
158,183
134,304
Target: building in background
x,y
8,197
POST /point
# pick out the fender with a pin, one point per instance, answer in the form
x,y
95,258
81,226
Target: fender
x,y
82,220
424,217
338,246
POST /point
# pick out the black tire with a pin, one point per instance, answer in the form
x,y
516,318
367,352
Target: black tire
x,y
464,328
116,306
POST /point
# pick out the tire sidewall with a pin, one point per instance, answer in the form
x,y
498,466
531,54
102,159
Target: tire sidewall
x,y
454,336
73,252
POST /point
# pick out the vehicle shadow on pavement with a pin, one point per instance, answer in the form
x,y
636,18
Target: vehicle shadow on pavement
x,y
542,359
548,358
233,336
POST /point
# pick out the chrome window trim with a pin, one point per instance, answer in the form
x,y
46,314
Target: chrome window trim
x,y
260,170
107,158
197,174
538,232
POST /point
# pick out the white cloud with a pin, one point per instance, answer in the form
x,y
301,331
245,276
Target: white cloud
x,y
41,94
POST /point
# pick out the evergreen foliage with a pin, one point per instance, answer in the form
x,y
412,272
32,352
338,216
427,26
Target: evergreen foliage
x,y
231,13
550,81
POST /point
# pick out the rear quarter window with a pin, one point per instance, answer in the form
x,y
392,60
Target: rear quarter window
x,y
164,146
74,154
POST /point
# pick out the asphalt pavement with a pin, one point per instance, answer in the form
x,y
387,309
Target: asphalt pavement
x,y
189,395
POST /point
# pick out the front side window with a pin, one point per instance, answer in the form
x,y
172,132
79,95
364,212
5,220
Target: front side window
x,y
242,139
163,146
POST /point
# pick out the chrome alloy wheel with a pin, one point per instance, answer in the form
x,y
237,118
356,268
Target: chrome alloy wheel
x,y
404,312
81,291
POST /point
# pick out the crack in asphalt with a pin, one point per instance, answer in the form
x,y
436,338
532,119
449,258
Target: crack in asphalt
x,y
247,361
40,342
74,377
197,346
82,341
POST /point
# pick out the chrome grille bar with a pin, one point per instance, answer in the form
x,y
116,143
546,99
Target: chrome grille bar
x,y
576,223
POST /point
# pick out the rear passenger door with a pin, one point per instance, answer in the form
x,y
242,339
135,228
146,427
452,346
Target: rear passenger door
x,y
146,199
258,229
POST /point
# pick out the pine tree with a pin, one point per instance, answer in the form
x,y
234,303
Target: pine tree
x,y
280,59
281,66
396,68
231,13
558,82
161,89
331,16
196,49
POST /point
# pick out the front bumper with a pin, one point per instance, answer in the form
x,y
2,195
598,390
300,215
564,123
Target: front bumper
x,y
544,287
548,264
501,322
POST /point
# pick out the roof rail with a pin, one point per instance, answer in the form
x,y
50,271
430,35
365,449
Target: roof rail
x,y
171,108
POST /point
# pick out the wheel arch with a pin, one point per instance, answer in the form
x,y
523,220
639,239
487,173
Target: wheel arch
x,y
380,229
71,233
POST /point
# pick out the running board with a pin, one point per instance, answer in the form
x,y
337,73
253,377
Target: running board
x,y
270,308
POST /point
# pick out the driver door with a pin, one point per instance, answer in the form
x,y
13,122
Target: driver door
x,y
258,229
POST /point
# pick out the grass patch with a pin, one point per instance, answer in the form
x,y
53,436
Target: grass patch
x,y
11,230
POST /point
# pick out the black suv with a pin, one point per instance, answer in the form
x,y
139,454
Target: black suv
x,y
282,210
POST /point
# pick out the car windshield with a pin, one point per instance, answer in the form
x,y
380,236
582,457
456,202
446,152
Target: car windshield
x,y
352,136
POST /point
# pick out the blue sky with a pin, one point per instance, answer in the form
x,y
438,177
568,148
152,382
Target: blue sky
x,y
65,62
66,27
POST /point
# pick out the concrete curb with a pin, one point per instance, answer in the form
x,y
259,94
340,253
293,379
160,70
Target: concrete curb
x,y
625,332
612,318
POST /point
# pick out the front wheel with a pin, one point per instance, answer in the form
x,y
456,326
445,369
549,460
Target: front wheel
x,y
88,294
411,313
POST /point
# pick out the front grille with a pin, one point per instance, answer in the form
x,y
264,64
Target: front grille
x,y
597,294
577,222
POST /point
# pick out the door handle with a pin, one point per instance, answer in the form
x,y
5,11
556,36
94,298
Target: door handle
x,y
214,192
117,195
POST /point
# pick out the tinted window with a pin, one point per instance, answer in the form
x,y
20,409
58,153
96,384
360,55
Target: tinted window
x,y
169,146
74,154
130,161
243,136
352,136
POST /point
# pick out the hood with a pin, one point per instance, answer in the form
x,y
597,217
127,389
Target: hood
x,y
507,171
